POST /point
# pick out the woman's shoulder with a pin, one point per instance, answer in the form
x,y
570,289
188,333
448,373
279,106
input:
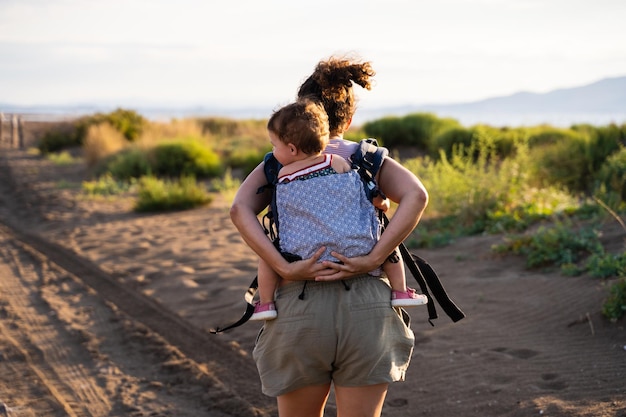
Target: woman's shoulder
x,y
339,164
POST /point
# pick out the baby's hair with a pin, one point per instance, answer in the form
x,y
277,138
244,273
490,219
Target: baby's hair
x,y
303,124
331,84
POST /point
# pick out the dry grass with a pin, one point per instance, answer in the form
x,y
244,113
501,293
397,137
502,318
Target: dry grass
x,y
156,132
102,141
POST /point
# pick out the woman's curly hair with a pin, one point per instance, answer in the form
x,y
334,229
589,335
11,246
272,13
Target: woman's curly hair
x,y
331,84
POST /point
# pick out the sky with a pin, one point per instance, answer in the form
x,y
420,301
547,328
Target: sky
x,y
255,53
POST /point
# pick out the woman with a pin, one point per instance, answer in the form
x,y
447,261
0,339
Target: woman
x,y
368,345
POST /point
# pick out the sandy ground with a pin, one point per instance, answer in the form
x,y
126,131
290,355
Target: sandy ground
x,y
104,312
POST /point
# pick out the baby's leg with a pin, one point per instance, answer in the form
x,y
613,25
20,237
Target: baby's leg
x,y
395,274
268,281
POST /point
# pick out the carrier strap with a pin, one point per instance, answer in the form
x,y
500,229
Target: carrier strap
x,y
427,278
248,297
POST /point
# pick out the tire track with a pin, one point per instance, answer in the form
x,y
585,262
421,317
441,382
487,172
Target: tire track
x,y
44,351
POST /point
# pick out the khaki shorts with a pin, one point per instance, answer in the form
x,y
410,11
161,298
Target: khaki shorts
x,y
352,337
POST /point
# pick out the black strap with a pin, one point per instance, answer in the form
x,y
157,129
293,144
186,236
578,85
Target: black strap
x,y
248,297
435,285
427,278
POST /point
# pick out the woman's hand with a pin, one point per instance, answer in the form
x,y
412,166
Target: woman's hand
x,y
348,267
307,269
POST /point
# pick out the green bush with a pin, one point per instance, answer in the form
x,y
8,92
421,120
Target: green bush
x,y
57,140
156,195
418,130
614,307
468,186
447,141
563,163
606,265
554,246
246,159
106,185
547,135
185,157
129,163
603,142
388,131
610,181
62,158
128,122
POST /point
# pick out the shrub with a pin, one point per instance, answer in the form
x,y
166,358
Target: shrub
x,y
128,122
61,158
606,265
246,159
185,157
614,307
166,195
57,140
127,164
468,187
547,135
387,130
504,139
603,142
610,181
563,163
554,246
106,185
417,129
102,141
450,139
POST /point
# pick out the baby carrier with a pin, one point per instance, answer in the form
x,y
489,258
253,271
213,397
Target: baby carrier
x,y
366,160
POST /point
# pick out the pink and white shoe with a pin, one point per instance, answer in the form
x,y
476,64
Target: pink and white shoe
x,y
409,298
266,311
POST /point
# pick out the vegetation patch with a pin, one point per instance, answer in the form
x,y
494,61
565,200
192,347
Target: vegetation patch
x,y
157,195
543,188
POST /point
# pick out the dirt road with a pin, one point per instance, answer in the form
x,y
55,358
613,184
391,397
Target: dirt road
x,y
74,342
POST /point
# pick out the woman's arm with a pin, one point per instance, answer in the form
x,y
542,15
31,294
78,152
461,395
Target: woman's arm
x,y
403,187
243,213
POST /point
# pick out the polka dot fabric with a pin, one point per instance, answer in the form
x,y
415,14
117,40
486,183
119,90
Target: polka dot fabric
x,y
326,210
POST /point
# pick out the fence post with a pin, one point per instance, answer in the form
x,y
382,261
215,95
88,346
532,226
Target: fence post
x,y
14,131
20,132
1,128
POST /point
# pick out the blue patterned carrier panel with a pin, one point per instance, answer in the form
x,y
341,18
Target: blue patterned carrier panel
x,y
328,210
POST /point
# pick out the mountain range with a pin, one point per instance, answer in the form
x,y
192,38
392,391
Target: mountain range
x,y
599,103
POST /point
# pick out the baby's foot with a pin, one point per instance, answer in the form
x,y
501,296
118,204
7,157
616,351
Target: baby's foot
x,y
265,311
409,298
